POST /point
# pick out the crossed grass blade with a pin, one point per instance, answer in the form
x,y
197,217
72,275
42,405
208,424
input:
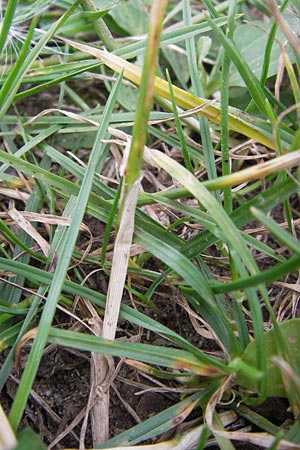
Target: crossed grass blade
x,y
61,269
227,232
94,201
199,92
167,357
37,276
12,83
237,120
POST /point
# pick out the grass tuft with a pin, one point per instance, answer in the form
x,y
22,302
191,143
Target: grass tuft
x,y
149,223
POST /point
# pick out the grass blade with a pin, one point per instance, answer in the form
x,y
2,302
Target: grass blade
x,y
61,269
237,120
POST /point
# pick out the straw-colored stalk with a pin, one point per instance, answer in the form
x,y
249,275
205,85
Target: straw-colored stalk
x,y
131,172
237,121
7,437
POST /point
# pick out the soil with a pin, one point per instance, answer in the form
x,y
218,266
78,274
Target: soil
x,y
62,386
61,389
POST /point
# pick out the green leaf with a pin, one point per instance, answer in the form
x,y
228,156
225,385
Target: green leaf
x,y
29,440
291,331
132,17
251,36
64,258
153,354
105,5
161,422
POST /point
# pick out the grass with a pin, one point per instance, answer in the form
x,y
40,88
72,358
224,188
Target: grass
x,y
201,210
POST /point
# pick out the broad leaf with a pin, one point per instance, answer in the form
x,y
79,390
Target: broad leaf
x,y
291,331
252,36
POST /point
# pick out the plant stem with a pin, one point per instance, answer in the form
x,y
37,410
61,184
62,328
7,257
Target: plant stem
x,y
100,26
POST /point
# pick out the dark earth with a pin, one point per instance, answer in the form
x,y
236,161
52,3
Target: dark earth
x,y
60,392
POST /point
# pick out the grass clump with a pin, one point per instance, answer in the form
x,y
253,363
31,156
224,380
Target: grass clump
x,y
174,180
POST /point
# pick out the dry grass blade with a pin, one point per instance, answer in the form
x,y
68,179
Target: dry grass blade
x,y
120,263
47,219
101,370
30,230
131,172
255,172
291,37
7,438
264,440
187,441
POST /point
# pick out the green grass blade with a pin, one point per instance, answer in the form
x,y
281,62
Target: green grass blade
x,y
268,276
61,269
158,424
238,121
268,49
283,236
7,94
110,220
225,110
152,354
170,37
99,25
31,143
208,149
7,22
185,154
250,80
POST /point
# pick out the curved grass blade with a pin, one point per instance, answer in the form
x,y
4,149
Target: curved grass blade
x,y
61,268
237,120
38,276
11,86
160,423
227,230
185,268
152,354
282,235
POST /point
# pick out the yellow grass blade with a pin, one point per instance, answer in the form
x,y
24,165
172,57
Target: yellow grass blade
x,y
240,122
